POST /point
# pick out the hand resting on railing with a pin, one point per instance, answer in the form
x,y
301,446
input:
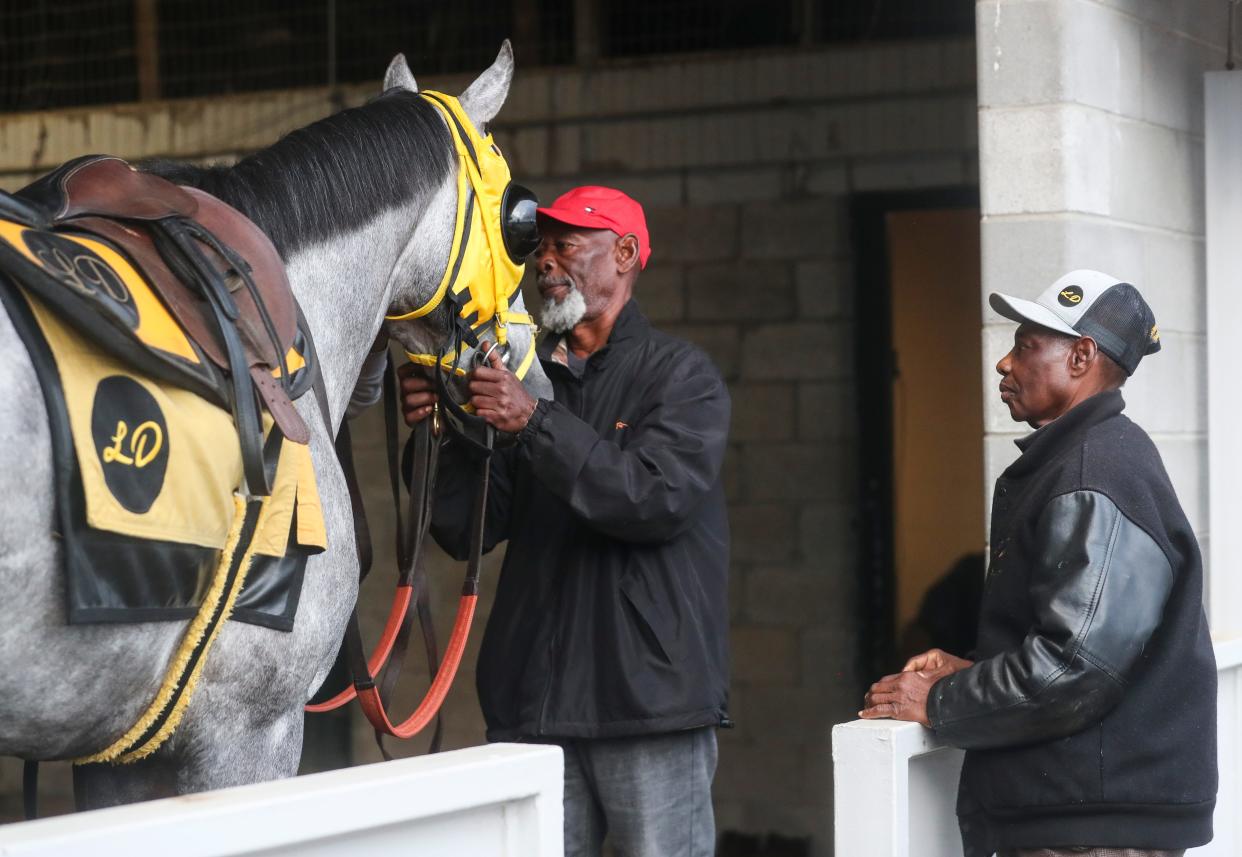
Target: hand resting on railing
x,y
903,696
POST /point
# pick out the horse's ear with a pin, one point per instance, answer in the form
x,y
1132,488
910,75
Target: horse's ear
x,y
399,75
483,99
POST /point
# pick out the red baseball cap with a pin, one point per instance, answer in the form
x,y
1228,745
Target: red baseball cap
x,y
602,208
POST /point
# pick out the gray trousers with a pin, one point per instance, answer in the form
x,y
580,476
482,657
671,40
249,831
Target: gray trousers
x,y
1088,852
649,796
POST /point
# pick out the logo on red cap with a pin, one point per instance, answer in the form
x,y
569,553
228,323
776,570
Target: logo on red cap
x,y
609,209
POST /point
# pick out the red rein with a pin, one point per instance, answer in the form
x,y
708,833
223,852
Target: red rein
x,y
370,700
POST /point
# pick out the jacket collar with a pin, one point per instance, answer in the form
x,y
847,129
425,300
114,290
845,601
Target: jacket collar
x,y
631,326
1042,444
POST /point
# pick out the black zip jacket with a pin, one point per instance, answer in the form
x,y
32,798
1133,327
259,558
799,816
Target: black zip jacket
x,y
1089,717
611,614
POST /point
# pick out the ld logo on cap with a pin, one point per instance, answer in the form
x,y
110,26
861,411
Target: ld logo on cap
x,y
1070,296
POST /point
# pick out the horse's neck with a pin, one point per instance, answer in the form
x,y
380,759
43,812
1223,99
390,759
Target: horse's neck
x,y
344,289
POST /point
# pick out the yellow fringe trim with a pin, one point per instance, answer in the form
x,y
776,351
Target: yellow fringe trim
x,y
121,751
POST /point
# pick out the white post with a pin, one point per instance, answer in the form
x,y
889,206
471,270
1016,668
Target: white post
x,y
502,800
895,788
1222,104
1223,198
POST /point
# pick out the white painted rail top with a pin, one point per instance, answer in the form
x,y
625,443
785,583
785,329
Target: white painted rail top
x,y
499,799
895,787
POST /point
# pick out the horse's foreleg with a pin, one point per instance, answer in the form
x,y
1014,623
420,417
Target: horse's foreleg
x,y
220,758
104,785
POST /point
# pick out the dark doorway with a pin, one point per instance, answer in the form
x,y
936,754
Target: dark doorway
x,y
920,394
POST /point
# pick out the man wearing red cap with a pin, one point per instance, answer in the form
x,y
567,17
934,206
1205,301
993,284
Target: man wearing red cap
x,y
609,634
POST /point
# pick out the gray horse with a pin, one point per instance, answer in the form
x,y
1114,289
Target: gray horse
x,y
362,207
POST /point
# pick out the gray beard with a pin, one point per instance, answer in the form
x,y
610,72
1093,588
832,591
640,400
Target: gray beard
x,y
561,317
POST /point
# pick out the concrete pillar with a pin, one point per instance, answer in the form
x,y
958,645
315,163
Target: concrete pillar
x,y
1091,156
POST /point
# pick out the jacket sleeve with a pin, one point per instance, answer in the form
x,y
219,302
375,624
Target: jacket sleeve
x,y
1097,590
457,483
647,491
370,384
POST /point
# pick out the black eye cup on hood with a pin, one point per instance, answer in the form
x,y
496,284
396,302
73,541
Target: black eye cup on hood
x,y
517,222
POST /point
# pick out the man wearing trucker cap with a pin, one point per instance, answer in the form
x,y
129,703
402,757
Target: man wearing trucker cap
x,y
1088,712
609,633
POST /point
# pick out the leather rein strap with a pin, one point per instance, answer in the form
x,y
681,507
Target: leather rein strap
x,y
179,240
375,677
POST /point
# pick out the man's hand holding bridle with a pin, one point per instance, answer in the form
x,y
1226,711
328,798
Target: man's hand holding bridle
x,y
498,396
418,393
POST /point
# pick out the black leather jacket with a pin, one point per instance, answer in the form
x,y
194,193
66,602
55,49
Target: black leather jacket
x,y
1097,587
1089,715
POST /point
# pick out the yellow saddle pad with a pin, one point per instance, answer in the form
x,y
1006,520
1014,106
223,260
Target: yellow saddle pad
x,y
159,462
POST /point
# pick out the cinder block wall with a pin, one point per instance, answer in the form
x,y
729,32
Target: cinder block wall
x,y
1091,143
745,164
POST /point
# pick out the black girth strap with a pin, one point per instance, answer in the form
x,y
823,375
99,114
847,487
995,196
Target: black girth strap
x,y
30,789
362,532
179,240
478,517
246,274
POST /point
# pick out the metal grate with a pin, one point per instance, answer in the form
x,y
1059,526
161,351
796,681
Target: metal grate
x,y
866,20
641,27
638,27
57,53
258,45
346,41
66,52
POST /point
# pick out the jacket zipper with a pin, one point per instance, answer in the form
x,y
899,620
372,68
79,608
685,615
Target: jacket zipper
x,y
541,728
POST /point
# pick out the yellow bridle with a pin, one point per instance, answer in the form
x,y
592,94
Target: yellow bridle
x,y
480,277
449,362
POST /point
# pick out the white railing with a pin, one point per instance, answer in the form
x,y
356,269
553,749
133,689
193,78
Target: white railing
x,y
502,800
1226,826
895,784
894,788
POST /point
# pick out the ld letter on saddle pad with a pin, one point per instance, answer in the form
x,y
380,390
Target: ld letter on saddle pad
x,y
88,282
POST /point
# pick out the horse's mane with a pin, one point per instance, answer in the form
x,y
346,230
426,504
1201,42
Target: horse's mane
x,y
334,175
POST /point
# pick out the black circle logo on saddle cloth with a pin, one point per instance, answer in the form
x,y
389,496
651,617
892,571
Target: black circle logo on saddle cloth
x,y
131,440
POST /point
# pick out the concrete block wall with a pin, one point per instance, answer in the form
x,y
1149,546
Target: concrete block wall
x,y
745,165
1091,152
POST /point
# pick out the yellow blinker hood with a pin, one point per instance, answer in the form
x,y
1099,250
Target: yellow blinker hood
x,y
480,277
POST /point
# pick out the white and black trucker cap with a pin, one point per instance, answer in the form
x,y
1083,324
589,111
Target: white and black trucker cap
x,y
1089,303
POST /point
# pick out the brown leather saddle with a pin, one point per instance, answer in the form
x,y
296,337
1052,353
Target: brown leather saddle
x,y
217,273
